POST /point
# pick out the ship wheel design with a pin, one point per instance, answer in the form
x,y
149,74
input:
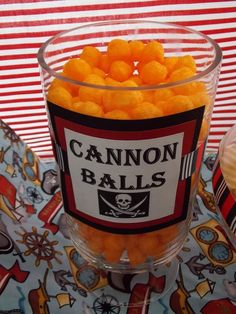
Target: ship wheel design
x,y
106,304
9,133
39,245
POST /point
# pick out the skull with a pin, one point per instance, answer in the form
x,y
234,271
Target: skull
x,y
123,201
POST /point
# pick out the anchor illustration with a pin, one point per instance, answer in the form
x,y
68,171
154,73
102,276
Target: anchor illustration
x,y
63,282
196,268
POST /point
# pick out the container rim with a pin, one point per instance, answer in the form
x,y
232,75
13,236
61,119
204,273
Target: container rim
x,y
217,60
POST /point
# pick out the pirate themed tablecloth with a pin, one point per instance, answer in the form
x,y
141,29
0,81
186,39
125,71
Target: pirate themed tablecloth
x,y
41,272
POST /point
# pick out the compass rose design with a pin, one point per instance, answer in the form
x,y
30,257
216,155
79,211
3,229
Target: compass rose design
x,y
106,304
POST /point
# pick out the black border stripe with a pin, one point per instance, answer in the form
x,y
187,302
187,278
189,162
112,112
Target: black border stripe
x,y
188,164
60,159
194,160
231,215
128,125
66,166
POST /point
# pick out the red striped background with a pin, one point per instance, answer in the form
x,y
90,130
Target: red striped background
x,y
24,25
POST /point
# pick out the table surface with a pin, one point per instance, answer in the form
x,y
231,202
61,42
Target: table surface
x,y
40,272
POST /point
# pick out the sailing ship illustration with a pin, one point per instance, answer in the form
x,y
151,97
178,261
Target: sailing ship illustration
x,y
179,299
39,298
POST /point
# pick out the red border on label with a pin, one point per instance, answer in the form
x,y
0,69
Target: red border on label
x,y
62,124
180,200
183,123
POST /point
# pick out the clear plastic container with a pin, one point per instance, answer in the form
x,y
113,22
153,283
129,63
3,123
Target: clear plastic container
x,y
128,185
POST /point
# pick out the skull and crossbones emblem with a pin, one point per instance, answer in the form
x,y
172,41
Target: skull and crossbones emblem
x,y
123,205
123,201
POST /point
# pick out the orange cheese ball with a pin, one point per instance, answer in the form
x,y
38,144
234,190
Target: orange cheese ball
x,y
163,94
122,99
170,63
146,110
71,88
139,66
174,63
77,69
114,239
57,82
153,51
85,231
136,257
88,108
75,99
126,100
88,93
99,72
129,83
136,47
60,96
112,255
104,63
168,234
111,82
107,100
153,72
96,245
120,71
162,104
200,87
94,79
187,61
136,78
176,104
117,114
148,245
117,243
91,55
119,49
189,88
98,233
185,89
131,241
200,99
148,95
181,74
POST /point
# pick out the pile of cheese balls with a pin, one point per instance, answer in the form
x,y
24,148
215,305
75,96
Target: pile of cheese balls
x,y
129,64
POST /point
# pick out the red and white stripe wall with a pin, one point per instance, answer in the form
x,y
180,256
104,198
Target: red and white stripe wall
x,y
26,24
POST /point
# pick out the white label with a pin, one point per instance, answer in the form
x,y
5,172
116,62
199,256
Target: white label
x,y
118,179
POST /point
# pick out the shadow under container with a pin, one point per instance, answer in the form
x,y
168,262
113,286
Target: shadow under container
x,y
129,183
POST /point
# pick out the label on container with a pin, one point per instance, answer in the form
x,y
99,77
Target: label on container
x,y
223,197
126,176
